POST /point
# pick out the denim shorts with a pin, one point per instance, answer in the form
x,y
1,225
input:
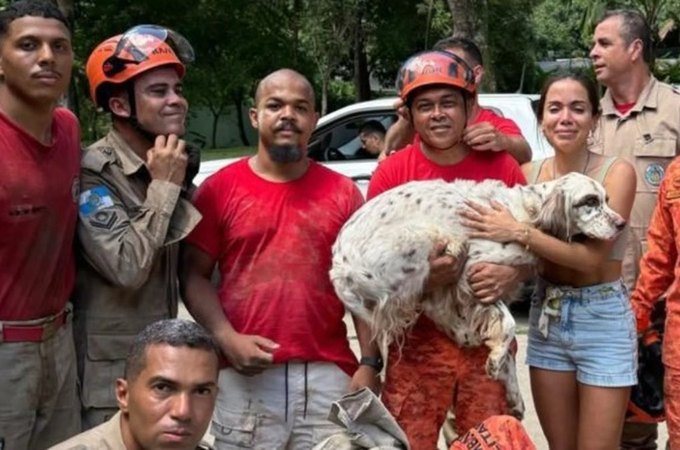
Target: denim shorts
x,y
592,333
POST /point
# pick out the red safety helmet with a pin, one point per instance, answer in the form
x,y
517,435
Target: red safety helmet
x,y
434,67
121,58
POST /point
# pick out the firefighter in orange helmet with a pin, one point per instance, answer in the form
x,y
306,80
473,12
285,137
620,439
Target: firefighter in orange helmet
x,y
429,372
132,209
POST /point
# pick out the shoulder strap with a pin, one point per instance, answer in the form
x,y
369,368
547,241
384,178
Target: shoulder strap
x,y
536,167
602,174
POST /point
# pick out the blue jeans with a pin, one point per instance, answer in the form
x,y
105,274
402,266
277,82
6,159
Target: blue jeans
x,y
590,331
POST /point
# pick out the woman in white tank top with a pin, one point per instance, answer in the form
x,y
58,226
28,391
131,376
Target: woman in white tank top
x,y
582,338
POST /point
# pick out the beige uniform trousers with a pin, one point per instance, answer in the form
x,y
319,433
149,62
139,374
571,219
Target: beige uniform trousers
x,y
39,403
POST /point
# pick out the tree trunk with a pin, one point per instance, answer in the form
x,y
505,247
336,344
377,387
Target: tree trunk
x,y
470,19
324,93
362,83
215,122
238,103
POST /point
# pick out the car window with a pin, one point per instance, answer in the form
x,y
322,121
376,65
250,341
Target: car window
x,y
340,140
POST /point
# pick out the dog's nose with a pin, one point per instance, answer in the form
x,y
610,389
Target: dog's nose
x,y
621,225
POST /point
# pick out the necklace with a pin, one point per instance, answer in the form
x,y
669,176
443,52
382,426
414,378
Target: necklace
x,y
585,166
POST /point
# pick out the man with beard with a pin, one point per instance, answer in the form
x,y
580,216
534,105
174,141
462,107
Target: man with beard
x,y
132,210
269,222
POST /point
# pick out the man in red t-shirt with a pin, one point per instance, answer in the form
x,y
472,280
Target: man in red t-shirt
x,y
429,372
486,130
40,147
269,223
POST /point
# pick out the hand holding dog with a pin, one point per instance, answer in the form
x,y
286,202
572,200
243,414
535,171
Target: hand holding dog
x,y
444,269
250,354
492,282
494,223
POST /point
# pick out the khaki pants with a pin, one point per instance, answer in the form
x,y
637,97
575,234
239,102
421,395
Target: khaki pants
x,y
284,407
39,405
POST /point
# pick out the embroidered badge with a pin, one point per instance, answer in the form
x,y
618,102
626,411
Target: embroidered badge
x,y
95,199
654,174
104,219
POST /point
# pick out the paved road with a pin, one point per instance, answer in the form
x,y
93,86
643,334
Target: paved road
x,y
530,419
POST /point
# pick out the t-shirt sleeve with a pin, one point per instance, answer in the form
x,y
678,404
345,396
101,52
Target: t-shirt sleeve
x,y
507,126
514,173
356,200
383,179
206,235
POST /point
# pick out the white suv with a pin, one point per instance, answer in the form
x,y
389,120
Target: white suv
x,y
335,141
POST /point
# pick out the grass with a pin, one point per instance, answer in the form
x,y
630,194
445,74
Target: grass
x,y
231,152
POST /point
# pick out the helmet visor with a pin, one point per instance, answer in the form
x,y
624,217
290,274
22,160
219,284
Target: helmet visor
x,y
138,43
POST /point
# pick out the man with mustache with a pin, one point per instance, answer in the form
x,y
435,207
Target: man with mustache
x,y
133,206
269,222
640,122
428,372
166,395
486,130
39,171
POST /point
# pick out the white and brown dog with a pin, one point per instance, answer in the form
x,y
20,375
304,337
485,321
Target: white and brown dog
x,y
381,257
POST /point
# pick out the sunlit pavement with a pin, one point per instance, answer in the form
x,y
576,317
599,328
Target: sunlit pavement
x,y
530,418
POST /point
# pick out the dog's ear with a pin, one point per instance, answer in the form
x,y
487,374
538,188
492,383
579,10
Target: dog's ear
x,y
553,217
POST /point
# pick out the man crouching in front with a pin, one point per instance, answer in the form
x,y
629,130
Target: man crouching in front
x,y
167,395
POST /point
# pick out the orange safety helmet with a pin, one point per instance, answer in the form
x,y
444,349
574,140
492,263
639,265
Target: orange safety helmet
x,y
434,67
142,48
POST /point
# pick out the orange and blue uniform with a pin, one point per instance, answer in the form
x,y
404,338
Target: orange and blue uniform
x,y
659,276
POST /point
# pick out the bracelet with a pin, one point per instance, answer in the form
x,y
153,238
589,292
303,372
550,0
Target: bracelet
x,y
527,230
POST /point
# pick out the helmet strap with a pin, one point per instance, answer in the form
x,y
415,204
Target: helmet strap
x,y
148,135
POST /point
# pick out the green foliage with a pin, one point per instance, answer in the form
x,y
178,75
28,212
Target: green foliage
x,y
668,72
513,59
557,26
340,93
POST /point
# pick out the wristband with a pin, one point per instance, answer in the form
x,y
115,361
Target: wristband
x,y
375,362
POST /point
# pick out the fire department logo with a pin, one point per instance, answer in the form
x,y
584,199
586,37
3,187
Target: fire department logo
x,y
654,174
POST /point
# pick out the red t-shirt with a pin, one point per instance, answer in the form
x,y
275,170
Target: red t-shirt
x,y
273,244
502,124
38,209
411,164
623,108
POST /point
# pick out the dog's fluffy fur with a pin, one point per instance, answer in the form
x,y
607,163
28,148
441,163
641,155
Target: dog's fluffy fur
x,y
381,257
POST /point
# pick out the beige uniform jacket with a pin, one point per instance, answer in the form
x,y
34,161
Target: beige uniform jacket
x,y
129,231
106,436
648,136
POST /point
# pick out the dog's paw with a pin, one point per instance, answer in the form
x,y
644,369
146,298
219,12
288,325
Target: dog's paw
x,y
516,405
495,366
457,249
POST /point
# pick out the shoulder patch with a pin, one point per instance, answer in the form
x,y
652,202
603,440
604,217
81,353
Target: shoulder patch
x,y
95,199
95,158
